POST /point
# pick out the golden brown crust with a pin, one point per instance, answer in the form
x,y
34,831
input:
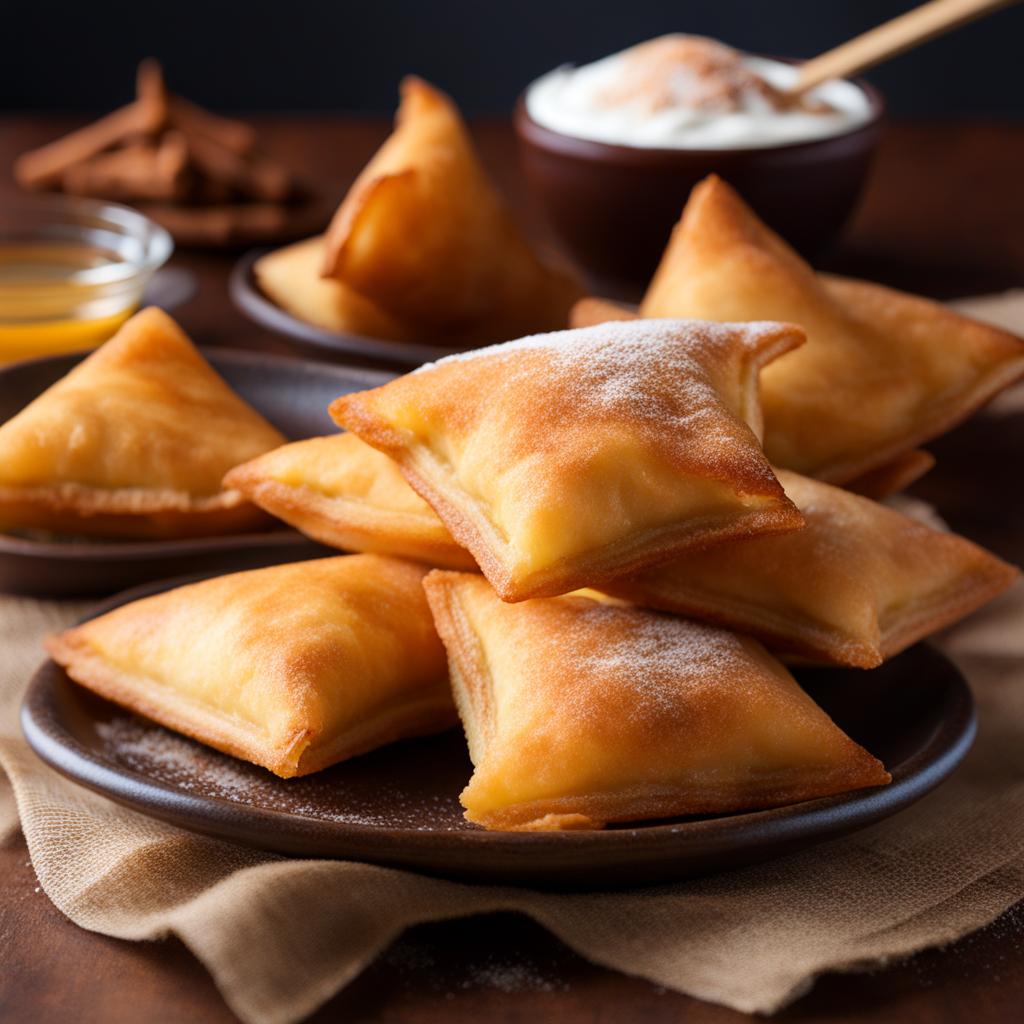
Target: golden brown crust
x,y
290,277
70,510
882,371
570,458
580,712
857,585
293,667
894,476
424,234
590,311
347,495
133,442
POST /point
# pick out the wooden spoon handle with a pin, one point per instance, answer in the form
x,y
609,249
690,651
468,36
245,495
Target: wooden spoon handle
x,y
892,38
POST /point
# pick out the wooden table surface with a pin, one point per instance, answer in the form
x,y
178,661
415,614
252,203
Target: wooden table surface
x,y
943,215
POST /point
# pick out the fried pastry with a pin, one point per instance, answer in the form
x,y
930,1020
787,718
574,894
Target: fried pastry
x,y
565,459
340,491
890,478
858,584
290,277
294,667
424,235
881,371
895,476
579,712
133,442
591,311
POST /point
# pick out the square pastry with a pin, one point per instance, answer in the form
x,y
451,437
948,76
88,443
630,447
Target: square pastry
x,y
293,667
858,584
580,712
340,491
565,459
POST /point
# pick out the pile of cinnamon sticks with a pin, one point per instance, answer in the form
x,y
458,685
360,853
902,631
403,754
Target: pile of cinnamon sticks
x,y
199,174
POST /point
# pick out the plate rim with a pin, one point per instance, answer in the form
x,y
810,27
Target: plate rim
x,y
249,299
812,820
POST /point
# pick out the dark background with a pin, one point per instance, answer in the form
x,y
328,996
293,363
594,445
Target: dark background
x,y
322,55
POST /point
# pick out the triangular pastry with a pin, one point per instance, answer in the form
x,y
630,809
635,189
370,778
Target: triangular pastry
x,y
424,234
881,371
293,667
133,442
344,493
580,712
565,459
888,478
290,277
859,583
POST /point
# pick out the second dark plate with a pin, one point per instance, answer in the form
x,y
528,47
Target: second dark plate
x,y
291,393
399,805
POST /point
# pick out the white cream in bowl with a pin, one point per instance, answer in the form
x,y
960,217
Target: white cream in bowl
x,y
687,92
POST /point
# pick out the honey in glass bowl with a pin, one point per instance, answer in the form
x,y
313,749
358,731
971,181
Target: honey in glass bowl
x,y
71,272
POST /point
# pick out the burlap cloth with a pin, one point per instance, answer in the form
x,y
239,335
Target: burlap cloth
x,y
281,936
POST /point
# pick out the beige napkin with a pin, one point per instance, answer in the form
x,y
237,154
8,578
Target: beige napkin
x,y
281,936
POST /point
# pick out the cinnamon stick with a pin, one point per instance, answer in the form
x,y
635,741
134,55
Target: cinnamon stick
x,y
44,167
194,121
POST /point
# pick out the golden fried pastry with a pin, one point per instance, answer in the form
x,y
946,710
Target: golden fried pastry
x,y
893,477
340,491
590,311
881,371
889,478
859,583
294,667
290,277
133,442
565,459
424,235
579,712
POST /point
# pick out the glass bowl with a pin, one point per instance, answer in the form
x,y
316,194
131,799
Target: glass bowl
x,y
71,272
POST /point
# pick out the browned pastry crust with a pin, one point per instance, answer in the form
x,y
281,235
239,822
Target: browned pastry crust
x,y
566,459
290,277
894,476
858,584
294,667
882,371
133,442
424,234
580,712
341,492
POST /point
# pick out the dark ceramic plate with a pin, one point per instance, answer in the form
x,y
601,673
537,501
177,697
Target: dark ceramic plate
x,y
248,297
292,394
399,805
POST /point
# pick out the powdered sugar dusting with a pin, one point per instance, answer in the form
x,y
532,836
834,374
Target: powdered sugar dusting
x,y
658,373
616,340
664,665
348,794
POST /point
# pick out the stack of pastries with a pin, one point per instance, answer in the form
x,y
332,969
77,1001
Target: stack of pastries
x,y
596,547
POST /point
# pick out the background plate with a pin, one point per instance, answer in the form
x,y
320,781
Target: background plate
x,y
247,296
291,393
399,805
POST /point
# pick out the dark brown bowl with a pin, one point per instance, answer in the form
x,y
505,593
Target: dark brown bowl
x,y
399,806
613,207
291,393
